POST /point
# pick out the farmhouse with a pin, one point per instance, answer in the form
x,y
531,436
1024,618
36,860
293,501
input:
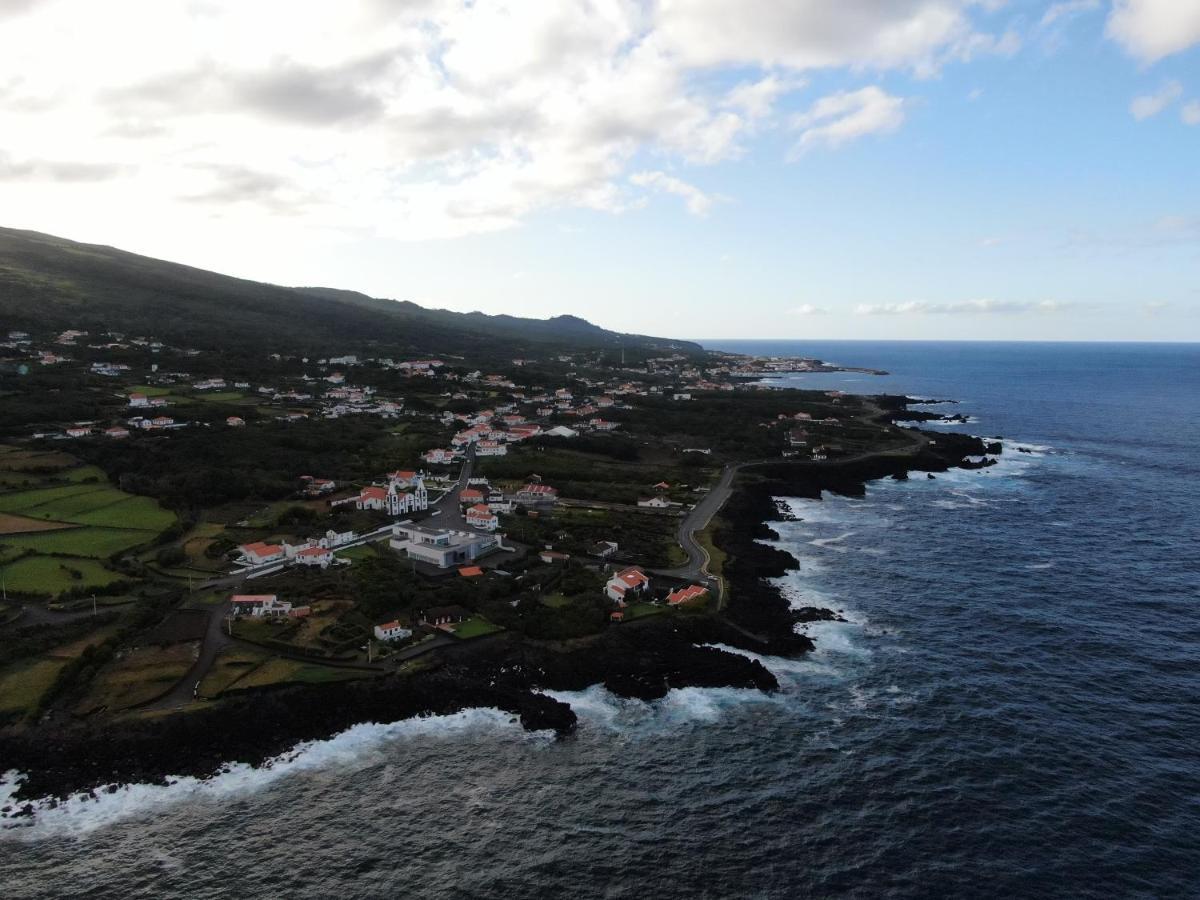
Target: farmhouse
x,y
655,503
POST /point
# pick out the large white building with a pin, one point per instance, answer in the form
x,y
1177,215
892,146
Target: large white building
x,y
441,547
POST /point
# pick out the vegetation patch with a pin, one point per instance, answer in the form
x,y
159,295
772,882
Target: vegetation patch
x,y
14,524
54,574
476,626
23,686
139,676
99,543
142,513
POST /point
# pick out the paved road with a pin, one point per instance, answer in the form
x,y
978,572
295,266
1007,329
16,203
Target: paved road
x,y
450,509
215,640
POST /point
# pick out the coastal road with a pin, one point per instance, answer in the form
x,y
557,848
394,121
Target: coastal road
x,y
697,520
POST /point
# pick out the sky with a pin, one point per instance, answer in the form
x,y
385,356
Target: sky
x,y
910,169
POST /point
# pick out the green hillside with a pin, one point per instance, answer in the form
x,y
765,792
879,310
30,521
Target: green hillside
x,y
47,281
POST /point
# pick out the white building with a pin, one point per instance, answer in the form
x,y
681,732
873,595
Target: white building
x,y
441,547
260,553
627,585
392,631
481,517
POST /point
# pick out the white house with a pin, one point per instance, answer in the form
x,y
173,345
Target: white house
x,y
490,448
481,517
392,631
655,503
139,400
439,456
536,493
263,606
260,553
627,585
314,556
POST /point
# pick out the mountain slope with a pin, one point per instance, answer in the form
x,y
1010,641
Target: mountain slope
x,y
46,281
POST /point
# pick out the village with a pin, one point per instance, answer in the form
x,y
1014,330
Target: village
x,y
392,505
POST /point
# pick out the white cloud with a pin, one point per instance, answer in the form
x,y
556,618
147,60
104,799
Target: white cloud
x,y
698,203
423,118
847,116
805,34
966,307
807,309
1190,113
1068,9
1153,29
1148,105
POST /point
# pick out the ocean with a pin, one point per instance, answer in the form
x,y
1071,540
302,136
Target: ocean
x,y
1012,709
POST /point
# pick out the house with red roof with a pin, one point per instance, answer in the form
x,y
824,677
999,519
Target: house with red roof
x,y
392,631
314,556
686,594
470,496
259,553
627,584
536,493
479,516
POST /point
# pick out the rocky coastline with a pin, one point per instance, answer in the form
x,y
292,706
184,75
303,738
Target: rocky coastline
x,y
641,659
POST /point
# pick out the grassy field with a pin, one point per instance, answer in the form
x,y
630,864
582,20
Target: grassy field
x,y
10,523
22,686
362,551
141,513
222,396
231,666
150,390
641,610
98,543
38,499
139,677
476,626
55,574
280,671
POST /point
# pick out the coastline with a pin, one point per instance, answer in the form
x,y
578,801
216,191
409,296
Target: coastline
x,y
642,660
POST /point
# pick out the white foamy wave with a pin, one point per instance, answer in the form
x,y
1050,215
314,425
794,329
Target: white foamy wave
x,y
599,708
357,747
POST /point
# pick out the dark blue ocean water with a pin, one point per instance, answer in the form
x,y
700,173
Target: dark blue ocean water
x,y
1013,710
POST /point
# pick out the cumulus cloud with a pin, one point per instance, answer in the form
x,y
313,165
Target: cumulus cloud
x,y
847,116
698,203
1148,105
965,307
434,118
1190,113
1152,29
807,309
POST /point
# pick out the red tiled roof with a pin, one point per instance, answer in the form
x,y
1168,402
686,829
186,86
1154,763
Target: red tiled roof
x,y
253,598
684,594
261,548
470,571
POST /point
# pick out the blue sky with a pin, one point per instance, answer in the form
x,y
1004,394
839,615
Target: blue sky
x,y
904,169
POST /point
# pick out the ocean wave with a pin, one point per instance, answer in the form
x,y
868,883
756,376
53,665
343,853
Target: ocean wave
x,y
598,707
357,747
